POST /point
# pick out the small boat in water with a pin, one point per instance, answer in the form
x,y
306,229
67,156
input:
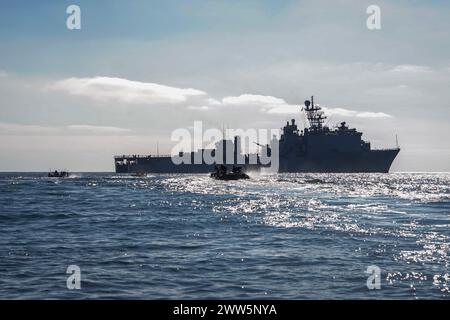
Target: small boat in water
x,y
221,173
58,174
139,174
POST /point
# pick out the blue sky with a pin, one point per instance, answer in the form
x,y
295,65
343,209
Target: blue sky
x,y
65,93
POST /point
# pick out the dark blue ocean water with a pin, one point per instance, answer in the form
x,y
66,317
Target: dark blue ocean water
x,y
295,236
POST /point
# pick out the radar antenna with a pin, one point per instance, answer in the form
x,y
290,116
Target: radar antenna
x,y
314,114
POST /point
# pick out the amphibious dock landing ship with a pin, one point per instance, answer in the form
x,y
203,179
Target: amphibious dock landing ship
x,y
314,149
321,149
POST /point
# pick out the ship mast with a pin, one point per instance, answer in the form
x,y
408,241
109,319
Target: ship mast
x,y
314,114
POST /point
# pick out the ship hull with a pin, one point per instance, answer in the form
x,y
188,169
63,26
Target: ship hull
x,y
158,165
366,161
166,165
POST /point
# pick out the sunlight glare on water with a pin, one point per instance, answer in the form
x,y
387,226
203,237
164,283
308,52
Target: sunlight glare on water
x,y
188,236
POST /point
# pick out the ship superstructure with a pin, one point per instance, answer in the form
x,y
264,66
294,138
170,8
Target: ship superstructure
x,y
321,149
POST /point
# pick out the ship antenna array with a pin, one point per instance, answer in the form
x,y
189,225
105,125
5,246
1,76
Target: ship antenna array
x,y
314,114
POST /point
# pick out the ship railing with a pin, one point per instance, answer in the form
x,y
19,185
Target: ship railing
x,y
138,156
385,149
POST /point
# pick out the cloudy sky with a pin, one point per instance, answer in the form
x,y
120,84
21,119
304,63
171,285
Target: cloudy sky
x,y
137,70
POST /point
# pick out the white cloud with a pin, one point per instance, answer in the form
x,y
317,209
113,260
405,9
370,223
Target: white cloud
x,y
106,89
96,129
292,109
252,99
3,74
24,129
199,108
19,129
283,109
213,102
353,113
268,104
339,112
410,68
372,115
127,91
274,105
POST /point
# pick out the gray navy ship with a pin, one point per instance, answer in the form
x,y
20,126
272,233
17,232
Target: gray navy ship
x,y
314,149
